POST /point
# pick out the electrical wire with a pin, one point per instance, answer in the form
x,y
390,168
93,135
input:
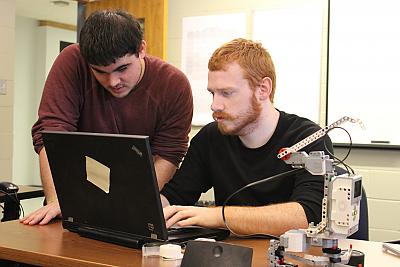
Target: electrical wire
x,y
14,198
288,173
338,161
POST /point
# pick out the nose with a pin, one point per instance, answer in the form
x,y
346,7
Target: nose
x,y
217,104
113,79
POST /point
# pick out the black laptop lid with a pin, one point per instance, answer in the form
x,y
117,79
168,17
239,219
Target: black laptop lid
x,y
131,206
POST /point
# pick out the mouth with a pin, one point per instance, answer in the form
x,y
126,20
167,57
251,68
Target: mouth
x,y
219,119
117,89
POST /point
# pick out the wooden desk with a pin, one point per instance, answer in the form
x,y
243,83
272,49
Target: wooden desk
x,y
51,245
11,206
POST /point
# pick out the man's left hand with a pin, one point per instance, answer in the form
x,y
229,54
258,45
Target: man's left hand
x,y
209,217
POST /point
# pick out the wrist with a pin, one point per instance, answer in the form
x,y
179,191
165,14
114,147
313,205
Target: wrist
x,y
51,200
218,217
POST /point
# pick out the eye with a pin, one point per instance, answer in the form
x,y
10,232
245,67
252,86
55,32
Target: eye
x,y
227,93
98,71
122,69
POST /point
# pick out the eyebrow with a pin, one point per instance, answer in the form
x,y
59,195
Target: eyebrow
x,y
220,89
116,69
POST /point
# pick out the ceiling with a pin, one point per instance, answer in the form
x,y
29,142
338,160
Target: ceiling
x,y
46,10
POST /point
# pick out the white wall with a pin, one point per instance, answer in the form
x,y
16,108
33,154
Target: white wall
x,y
26,40
7,33
37,47
380,168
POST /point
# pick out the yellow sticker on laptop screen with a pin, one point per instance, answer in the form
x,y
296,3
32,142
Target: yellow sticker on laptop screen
x,y
98,174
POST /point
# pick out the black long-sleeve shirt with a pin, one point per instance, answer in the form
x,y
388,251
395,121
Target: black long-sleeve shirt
x,y
223,162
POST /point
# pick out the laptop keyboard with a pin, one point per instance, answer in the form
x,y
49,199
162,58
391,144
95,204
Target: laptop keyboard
x,y
181,230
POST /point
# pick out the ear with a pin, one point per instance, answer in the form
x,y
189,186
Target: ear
x,y
142,49
265,88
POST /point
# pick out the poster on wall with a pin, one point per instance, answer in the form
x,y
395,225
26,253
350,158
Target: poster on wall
x,y
201,35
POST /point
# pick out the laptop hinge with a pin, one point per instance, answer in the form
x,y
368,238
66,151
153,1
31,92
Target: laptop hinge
x,y
111,237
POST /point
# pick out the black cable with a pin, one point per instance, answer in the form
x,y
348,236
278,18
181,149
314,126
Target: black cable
x,y
14,197
21,209
288,173
341,161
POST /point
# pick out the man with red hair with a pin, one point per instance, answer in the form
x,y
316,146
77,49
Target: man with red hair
x,y
241,147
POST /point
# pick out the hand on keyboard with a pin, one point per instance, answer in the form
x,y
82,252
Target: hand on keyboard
x,y
209,217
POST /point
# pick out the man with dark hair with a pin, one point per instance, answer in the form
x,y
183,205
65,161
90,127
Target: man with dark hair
x,y
107,84
241,147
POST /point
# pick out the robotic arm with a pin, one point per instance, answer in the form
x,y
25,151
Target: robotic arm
x,y
340,209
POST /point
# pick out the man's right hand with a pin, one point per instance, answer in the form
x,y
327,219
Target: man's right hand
x,y
43,215
46,213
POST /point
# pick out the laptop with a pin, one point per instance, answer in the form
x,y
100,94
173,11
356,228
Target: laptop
x,y
107,189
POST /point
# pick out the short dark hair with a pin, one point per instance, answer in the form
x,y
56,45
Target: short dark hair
x,y
108,35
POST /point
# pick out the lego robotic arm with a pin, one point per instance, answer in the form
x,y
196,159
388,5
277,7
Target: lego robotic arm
x,y
340,209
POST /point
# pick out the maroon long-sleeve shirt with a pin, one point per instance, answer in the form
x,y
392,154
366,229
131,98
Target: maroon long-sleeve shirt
x,y
161,105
